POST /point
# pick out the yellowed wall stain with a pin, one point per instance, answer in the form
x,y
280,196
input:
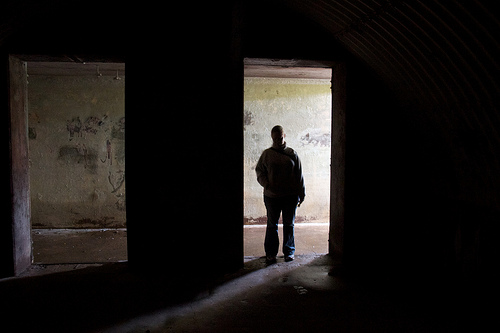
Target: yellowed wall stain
x,y
303,108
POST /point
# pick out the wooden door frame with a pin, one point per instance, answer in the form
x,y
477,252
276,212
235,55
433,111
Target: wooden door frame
x,y
19,165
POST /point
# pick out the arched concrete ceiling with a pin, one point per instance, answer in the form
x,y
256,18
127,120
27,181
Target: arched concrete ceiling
x,y
444,51
441,60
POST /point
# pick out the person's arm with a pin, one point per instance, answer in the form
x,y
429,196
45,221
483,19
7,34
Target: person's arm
x,y
300,180
261,171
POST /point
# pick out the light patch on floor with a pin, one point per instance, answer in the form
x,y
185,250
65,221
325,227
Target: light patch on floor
x,y
310,238
79,246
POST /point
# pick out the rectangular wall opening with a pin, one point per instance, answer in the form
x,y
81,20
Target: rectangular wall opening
x,y
76,139
300,100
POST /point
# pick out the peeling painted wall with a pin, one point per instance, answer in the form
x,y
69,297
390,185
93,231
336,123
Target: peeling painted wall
x,y
303,108
77,151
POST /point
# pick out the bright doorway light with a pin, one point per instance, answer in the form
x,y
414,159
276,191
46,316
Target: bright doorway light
x,y
303,106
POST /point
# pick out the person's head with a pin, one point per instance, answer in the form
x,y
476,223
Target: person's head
x,y
278,134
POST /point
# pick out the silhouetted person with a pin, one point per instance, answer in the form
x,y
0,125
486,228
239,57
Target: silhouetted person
x,y
279,171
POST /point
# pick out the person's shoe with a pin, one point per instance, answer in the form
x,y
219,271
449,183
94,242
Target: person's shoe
x,y
270,260
289,258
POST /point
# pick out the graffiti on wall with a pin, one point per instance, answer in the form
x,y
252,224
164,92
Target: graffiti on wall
x,y
92,125
79,154
78,128
248,119
315,137
113,134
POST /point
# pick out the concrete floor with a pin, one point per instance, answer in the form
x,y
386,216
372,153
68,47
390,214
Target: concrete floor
x,y
310,238
82,246
89,246
286,297
297,296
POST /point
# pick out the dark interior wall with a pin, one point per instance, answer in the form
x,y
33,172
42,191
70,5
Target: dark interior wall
x,y
420,198
412,212
189,114
397,206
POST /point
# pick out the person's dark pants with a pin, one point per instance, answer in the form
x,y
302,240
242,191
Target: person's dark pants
x,y
275,206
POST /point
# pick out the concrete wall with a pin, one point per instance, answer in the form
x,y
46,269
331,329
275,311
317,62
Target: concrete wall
x,y
77,151
303,108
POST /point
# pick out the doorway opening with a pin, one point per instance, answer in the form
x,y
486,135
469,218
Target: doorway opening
x,y
76,149
299,98
76,140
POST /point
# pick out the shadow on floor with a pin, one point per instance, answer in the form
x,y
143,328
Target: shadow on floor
x,y
83,300
298,296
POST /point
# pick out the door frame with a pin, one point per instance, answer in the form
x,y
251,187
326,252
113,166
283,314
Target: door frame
x,y
21,254
19,165
338,147
337,166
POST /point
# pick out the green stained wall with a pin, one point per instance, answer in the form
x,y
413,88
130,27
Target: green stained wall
x,y
303,108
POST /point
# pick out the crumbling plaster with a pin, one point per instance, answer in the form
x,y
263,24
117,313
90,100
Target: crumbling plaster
x,y
76,131
303,108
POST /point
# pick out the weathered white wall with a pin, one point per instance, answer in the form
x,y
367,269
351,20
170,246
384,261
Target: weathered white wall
x,y
303,108
77,151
